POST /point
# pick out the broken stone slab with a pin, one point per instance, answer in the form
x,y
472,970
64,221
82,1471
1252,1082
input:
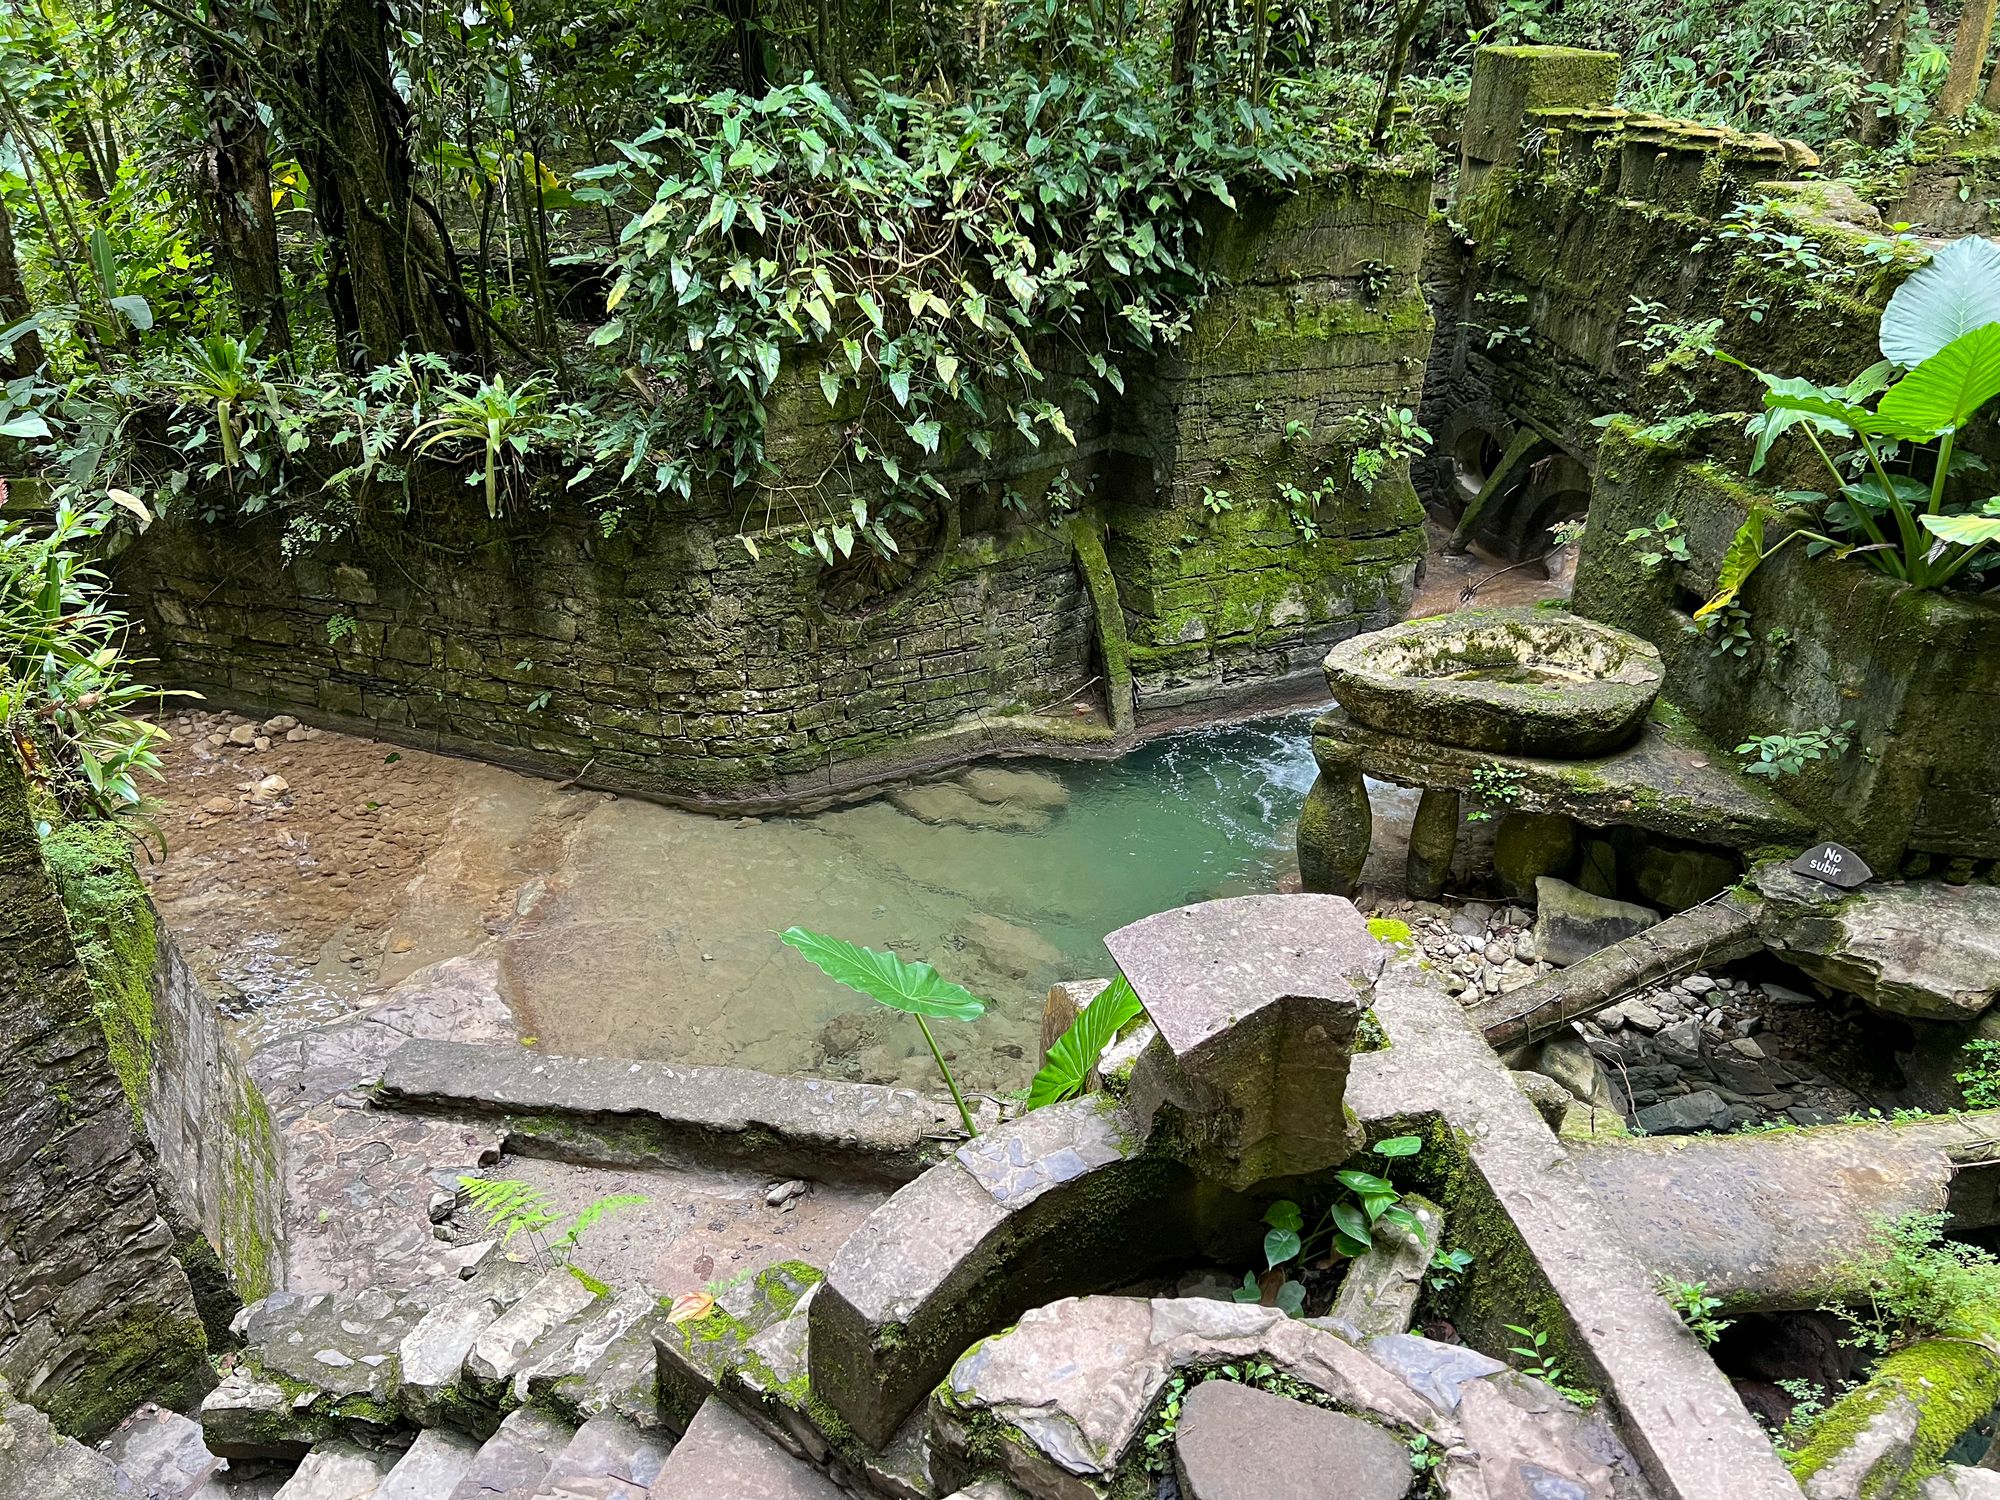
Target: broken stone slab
x,y
607,1459
607,1367
516,1459
1256,1000
1768,1220
432,1466
1956,1482
621,1112
1061,1201
504,1347
1436,1371
314,1367
1690,940
163,1453
432,1355
722,1454
1925,949
1530,1442
1572,924
1068,1389
1378,1295
38,1461
1915,1404
338,1470
1235,1442
697,1354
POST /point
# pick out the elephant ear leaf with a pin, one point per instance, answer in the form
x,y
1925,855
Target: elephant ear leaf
x,y
1964,531
1956,292
1941,394
1067,1071
913,988
1745,553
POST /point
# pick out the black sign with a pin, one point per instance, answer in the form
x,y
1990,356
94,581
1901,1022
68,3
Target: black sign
x,y
1836,864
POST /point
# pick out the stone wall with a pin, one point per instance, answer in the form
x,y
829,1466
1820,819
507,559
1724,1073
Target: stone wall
x,y
96,1315
667,658
203,1119
1917,673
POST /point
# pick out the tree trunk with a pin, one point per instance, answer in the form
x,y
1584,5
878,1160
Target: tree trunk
x,y
1188,18
1882,51
388,283
27,352
1399,59
1968,59
235,167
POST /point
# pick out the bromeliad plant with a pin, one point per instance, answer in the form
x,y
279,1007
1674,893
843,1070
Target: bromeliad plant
x,y
1941,330
1346,1229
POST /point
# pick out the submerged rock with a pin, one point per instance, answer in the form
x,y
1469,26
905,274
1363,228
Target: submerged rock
x,y
1029,789
951,802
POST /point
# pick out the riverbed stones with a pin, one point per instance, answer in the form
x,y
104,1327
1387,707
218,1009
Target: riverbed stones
x,y
1235,1442
1005,786
1336,830
1925,949
1256,1000
1572,924
1433,839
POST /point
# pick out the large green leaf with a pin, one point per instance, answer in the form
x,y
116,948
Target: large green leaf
x,y
1746,552
914,988
1076,1052
1958,291
1941,394
1964,531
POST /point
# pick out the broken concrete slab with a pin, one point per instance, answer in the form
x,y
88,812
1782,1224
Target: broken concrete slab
x,y
614,1111
1436,1371
512,1464
1572,924
432,1355
338,1470
697,1353
1256,1000
606,1365
163,1452
432,1466
504,1347
722,1454
1071,1385
1925,949
1378,1295
1235,1442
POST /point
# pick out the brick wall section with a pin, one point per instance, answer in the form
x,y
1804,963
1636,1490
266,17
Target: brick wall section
x,y
96,1315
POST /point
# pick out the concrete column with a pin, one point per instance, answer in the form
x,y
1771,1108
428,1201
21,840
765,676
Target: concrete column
x,y
1336,827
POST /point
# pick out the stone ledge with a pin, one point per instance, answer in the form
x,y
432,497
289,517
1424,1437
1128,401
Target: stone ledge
x,y
615,1111
1669,781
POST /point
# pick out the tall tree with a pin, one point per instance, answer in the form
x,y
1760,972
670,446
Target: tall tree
x,y
1968,59
236,198
26,355
1884,39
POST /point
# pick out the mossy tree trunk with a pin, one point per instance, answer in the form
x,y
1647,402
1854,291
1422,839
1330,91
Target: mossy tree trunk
x,y
235,167
1883,46
26,354
391,284
1968,59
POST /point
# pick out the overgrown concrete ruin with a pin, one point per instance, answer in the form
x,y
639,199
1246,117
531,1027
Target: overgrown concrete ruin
x,y
1034,1313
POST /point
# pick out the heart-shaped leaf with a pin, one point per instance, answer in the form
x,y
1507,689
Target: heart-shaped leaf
x,y
913,988
1280,1245
1958,291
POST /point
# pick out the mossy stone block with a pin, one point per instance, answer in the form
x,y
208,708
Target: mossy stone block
x,y
1507,82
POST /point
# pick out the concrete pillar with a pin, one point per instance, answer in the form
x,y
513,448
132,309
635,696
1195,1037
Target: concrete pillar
x,y
1433,838
1336,828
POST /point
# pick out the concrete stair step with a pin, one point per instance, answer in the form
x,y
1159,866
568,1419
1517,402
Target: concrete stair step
x,y
436,1462
698,1355
608,1459
433,1353
723,1457
516,1459
338,1470
602,1362
163,1453
509,1344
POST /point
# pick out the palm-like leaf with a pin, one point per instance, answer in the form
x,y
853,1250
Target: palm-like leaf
x,y
1958,291
1077,1051
914,988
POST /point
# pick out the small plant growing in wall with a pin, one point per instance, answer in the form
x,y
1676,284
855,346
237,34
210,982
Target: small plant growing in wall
x,y
1695,1308
1661,542
1391,435
1980,1077
1538,1360
1775,755
1495,785
1346,1229
915,989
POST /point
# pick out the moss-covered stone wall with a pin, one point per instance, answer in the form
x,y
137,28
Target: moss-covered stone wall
x,y
96,1314
1832,642
670,659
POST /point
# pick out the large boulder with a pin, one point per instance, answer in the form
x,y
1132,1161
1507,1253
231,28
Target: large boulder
x,y
1923,949
1571,924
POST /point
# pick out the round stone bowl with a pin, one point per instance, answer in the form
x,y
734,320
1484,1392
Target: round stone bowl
x,y
1518,681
